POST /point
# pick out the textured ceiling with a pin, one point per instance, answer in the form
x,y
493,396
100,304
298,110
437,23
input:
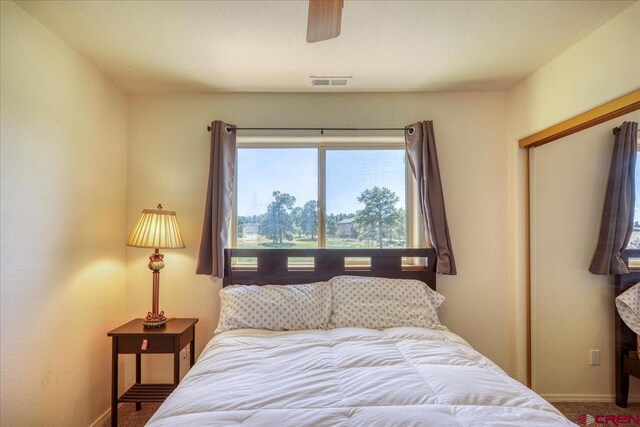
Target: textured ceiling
x,y
169,46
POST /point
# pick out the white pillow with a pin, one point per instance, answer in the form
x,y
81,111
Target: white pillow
x,y
275,307
378,303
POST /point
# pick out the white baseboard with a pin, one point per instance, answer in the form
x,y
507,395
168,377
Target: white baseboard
x,y
633,398
104,420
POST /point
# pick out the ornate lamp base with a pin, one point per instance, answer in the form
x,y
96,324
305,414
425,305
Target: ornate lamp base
x,y
154,321
155,318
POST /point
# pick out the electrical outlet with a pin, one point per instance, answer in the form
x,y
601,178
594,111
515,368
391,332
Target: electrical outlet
x,y
595,357
184,356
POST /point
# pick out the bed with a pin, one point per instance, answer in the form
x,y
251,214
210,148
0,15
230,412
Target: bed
x,y
346,376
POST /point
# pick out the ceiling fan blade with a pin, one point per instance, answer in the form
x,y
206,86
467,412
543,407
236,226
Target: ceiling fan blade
x,y
325,17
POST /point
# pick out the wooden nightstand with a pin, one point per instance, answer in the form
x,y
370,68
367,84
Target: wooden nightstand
x,y
134,338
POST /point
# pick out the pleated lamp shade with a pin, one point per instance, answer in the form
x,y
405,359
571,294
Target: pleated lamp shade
x,y
157,229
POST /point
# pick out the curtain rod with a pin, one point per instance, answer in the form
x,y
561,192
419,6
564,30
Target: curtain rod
x,y
314,129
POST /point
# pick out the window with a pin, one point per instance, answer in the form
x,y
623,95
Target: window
x,y
315,195
634,242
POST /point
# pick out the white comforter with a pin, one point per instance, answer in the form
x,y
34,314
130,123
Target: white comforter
x,y
350,377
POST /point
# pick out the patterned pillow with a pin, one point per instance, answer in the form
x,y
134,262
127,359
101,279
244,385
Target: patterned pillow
x,y
435,298
628,305
275,307
378,303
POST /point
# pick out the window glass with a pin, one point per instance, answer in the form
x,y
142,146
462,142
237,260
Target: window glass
x,y
365,199
276,198
278,189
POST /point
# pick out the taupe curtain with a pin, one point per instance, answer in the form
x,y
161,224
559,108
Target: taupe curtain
x,y
423,158
217,213
617,217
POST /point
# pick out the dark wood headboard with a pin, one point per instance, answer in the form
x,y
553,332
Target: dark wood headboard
x,y
625,337
273,267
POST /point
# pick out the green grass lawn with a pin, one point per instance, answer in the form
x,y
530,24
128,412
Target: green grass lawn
x,y
260,242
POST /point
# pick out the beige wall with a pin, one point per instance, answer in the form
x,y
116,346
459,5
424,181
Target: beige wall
x,y
168,161
63,207
603,66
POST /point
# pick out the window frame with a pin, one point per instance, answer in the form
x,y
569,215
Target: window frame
x,y
414,235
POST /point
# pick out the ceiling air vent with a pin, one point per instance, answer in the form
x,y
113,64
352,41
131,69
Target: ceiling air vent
x,y
330,81
320,82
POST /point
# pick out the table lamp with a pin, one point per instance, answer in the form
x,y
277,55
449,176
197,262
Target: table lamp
x,y
157,229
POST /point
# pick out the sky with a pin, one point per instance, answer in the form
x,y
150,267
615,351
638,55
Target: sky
x,y
295,171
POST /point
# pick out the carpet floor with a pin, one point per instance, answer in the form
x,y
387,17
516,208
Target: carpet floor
x,y
129,417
